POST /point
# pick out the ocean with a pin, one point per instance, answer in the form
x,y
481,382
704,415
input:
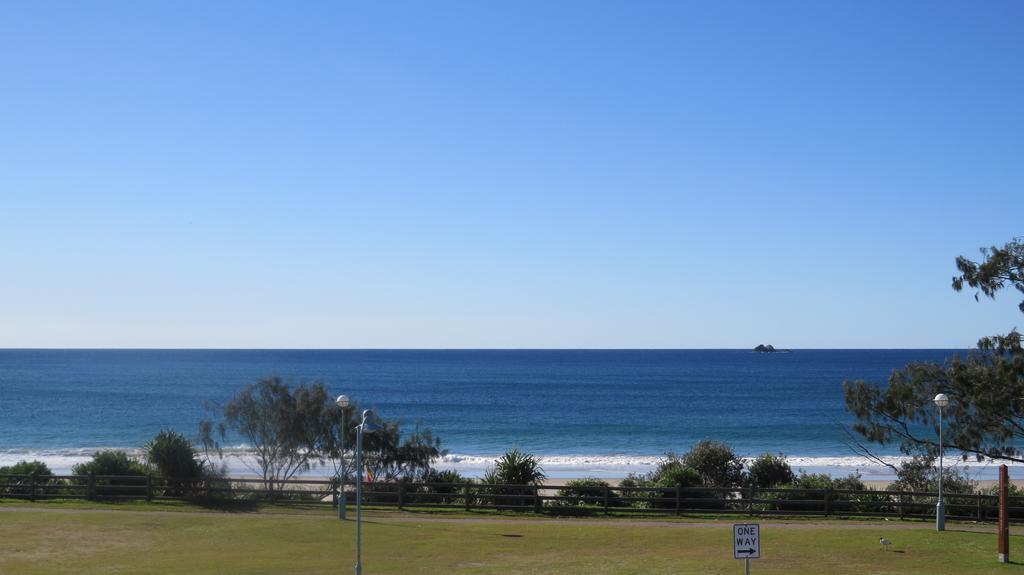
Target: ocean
x,y
585,412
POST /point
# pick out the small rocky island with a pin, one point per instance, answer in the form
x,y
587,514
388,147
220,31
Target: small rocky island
x,y
769,349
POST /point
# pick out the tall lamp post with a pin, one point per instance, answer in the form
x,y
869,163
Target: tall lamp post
x,y
941,401
343,403
367,426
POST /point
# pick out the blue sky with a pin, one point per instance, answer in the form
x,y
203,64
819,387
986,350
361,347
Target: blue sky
x,y
520,174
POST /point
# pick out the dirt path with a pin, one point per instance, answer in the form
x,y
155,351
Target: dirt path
x,y
377,517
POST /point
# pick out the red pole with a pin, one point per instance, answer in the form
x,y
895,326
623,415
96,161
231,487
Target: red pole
x,y
1004,516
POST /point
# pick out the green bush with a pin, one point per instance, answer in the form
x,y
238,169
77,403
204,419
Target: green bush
x,y
769,470
443,494
716,463
588,491
111,462
518,468
672,472
514,467
639,499
807,492
37,468
174,458
1015,493
114,463
921,474
22,485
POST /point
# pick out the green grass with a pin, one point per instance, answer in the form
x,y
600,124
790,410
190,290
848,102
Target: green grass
x,y
62,539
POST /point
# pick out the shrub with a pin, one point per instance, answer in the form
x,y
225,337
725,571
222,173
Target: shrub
x,y
588,491
639,499
21,485
443,494
807,492
716,463
851,482
1013,491
113,462
922,474
514,467
173,456
37,468
671,472
770,470
518,468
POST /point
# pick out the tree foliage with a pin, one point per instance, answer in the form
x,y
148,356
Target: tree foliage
x,y
389,456
516,467
985,416
716,463
172,455
294,428
921,474
174,458
18,485
111,462
585,491
37,468
114,463
769,470
286,428
673,471
1001,267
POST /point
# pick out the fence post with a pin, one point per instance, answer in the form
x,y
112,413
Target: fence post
x,y
32,487
149,487
90,492
981,510
679,503
828,501
536,499
607,496
903,504
466,496
750,500
401,494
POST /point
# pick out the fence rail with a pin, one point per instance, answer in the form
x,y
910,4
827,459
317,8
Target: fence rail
x,y
539,499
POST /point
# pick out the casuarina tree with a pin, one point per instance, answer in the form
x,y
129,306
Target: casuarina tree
x,y
985,416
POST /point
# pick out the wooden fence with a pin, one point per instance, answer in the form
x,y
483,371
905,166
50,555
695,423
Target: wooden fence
x,y
539,499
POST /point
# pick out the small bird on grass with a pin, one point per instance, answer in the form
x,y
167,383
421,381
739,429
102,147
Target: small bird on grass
x,y
885,543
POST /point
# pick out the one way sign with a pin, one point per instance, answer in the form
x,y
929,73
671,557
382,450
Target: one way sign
x,y
746,541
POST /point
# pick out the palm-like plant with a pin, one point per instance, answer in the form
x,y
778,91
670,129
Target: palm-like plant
x,y
514,468
517,468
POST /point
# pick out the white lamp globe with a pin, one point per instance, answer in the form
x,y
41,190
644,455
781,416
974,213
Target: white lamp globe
x,y
342,401
941,400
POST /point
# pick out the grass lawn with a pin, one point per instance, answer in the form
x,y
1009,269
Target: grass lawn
x,y
60,540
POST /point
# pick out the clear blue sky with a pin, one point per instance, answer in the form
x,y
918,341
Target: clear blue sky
x,y
520,174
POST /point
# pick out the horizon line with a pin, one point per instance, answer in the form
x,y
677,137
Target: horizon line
x,y
777,350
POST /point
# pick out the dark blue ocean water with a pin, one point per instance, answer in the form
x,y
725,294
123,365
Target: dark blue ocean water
x,y
593,404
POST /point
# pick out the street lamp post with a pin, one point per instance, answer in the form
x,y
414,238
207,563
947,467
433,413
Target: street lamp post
x,y
367,426
343,403
941,401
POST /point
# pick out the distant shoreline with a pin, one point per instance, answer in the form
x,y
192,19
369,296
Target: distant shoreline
x,y
558,467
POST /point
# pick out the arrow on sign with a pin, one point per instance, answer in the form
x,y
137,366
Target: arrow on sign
x,y
747,551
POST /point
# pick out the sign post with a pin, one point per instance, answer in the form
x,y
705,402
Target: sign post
x,y
746,543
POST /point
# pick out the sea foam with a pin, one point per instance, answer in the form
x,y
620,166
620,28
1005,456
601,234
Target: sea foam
x,y
240,460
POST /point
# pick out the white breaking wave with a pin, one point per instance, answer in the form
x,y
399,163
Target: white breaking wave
x,y
240,460
617,466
